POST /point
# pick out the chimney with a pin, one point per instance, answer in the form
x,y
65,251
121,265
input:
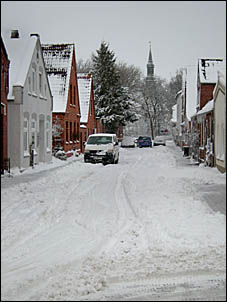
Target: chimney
x,y
15,34
36,35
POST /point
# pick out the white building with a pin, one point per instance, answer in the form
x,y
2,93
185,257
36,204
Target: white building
x,y
29,101
220,122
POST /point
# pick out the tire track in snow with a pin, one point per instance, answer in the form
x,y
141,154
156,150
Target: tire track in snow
x,y
129,225
188,287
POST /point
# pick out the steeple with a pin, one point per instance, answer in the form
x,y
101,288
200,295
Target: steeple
x,y
150,65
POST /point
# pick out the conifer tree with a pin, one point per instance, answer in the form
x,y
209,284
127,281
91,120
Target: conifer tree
x,y
113,103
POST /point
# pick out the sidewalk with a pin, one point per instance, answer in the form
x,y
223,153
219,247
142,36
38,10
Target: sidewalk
x,y
30,174
213,194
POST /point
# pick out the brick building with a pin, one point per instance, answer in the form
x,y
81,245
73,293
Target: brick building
x,y
4,92
207,78
60,63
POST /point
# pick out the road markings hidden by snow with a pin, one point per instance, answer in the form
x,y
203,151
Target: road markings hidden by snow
x,y
91,231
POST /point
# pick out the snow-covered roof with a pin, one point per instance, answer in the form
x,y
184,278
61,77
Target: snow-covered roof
x,y
191,91
58,63
20,51
207,108
84,87
208,69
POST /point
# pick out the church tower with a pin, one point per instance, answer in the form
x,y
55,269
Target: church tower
x,y
150,66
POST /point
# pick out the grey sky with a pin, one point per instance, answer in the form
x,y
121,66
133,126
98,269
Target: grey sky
x,y
180,31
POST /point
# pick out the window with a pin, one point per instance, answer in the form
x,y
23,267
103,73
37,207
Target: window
x,y
71,131
74,95
40,83
45,90
29,84
34,133
25,135
47,134
33,80
223,140
70,96
66,131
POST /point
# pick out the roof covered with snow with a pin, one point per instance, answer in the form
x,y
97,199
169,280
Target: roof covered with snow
x,y
20,51
84,87
58,62
191,91
207,108
208,69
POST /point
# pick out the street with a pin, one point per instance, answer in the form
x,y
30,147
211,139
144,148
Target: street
x,y
142,229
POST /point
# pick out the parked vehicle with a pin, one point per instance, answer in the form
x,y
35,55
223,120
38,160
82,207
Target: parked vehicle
x,y
144,141
128,142
102,147
160,140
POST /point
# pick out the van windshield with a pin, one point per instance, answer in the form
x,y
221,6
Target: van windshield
x,y
99,140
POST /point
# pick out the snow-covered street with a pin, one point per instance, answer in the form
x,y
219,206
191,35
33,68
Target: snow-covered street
x,y
129,231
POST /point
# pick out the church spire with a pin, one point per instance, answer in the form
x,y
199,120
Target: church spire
x,y
150,65
150,56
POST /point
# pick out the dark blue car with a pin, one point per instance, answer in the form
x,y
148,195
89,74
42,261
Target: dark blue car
x,y
144,141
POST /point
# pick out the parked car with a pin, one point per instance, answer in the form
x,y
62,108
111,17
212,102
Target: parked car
x,y
128,142
144,141
102,147
160,140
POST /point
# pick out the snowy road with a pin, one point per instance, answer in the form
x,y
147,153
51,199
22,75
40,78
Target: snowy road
x,y
132,231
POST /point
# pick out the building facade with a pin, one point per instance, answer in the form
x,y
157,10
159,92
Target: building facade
x,y
4,110
60,64
29,102
207,79
220,123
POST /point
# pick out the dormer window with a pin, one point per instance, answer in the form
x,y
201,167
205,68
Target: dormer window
x,y
15,34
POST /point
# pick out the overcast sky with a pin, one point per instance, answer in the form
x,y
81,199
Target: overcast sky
x,y
180,32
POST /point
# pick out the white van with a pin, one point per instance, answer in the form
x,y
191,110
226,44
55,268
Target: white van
x,y
102,147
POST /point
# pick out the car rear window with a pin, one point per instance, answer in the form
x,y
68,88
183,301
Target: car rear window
x,y
99,140
144,138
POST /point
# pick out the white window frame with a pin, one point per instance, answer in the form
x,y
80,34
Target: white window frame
x,y
40,83
48,136
223,140
29,84
26,151
34,132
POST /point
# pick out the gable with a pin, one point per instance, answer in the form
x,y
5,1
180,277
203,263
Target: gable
x,y
208,70
84,88
20,51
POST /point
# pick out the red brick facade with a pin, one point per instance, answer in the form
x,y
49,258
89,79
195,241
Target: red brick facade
x,y
206,94
205,127
70,120
4,92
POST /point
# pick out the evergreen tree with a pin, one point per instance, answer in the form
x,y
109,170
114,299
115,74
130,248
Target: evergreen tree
x,y
113,103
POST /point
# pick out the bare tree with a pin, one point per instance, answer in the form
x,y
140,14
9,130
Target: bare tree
x,y
84,67
155,104
130,76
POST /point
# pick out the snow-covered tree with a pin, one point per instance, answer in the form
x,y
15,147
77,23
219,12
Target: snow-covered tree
x,y
114,104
